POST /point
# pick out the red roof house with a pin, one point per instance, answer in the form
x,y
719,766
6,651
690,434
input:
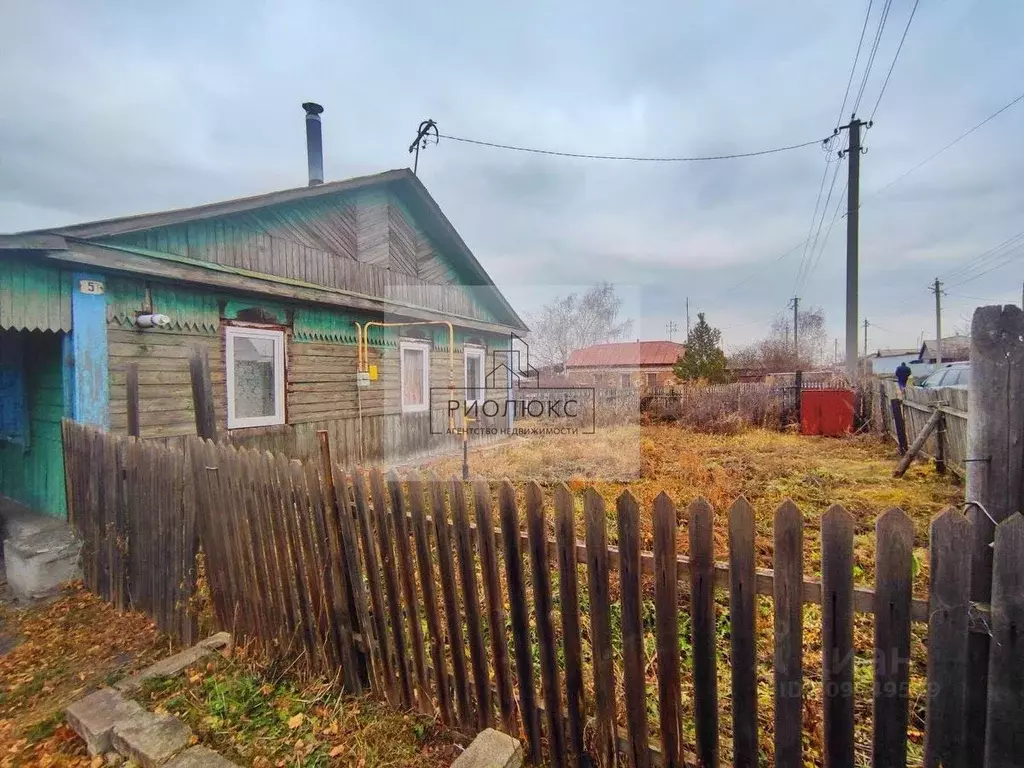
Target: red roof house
x,y
625,364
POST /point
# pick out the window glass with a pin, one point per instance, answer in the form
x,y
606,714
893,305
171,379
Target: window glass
x,y
414,377
474,375
965,377
255,377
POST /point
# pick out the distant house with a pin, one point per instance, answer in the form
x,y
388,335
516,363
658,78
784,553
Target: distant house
x,y
954,349
885,361
625,364
746,374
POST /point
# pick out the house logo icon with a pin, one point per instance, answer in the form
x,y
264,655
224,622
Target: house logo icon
x,y
511,367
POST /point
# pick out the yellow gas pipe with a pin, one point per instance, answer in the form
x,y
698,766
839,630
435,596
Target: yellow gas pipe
x,y
363,356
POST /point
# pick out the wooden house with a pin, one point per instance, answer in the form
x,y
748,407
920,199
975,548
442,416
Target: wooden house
x,y
276,288
625,364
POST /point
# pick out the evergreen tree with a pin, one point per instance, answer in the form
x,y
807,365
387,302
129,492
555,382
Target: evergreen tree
x,y
704,359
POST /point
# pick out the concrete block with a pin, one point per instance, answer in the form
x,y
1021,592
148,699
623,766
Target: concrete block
x,y
200,757
40,558
151,740
168,667
94,717
491,749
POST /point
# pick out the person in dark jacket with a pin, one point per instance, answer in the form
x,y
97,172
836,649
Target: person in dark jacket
x,y
903,376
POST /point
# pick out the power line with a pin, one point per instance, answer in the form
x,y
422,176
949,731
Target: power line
x,y
812,262
632,158
981,259
856,58
824,242
871,56
955,141
1007,259
894,59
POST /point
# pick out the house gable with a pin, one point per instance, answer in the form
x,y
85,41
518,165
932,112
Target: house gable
x,y
381,237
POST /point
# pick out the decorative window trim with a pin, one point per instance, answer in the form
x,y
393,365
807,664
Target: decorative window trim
x,y
423,346
237,331
479,353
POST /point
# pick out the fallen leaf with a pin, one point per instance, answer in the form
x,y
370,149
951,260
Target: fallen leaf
x,y
337,750
295,721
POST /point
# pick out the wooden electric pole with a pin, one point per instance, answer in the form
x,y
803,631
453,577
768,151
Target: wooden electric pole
x,y
866,324
937,290
796,325
687,317
852,224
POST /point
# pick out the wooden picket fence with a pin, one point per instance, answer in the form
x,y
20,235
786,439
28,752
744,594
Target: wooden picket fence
x,y
405,585
133,504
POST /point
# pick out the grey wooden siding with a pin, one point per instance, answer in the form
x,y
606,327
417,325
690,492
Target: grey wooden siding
x,y
368,244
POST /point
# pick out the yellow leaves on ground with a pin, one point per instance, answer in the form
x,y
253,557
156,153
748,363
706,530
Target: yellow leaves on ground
x,y
295,721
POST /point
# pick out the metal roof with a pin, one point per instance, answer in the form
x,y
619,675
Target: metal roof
x,y
627,354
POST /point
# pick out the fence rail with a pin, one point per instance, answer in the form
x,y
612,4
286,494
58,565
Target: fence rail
x,y
409,586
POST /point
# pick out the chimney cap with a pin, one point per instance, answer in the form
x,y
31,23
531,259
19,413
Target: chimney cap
x,y
312,108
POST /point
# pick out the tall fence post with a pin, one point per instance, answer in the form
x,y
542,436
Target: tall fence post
x,y
202,394
995,473
131,379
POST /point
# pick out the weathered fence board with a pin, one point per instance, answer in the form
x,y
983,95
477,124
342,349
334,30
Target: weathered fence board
x,y
837,635
632,629
666,606
743,633
702,617
568,594
789,632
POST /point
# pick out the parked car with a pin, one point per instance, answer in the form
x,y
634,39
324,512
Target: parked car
x,y
955,375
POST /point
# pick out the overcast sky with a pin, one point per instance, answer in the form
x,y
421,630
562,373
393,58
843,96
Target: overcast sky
x,y
113,108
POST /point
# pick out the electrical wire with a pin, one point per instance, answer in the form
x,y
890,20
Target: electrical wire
x,y
894,59
951,144
856,58
812,262
984,258
874,52
1008,258
631,158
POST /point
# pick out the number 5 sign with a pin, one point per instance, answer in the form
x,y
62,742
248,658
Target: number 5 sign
x,y
94,287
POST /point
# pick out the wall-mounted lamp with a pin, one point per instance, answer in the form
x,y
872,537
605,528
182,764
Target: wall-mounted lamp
x,y
152,321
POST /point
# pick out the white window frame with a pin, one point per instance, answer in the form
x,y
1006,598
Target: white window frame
x,y
424,346
480,353
230,334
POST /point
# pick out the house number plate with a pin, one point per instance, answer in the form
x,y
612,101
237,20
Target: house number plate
x,y
94,287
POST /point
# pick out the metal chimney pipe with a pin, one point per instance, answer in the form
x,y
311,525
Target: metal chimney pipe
x,y
314,143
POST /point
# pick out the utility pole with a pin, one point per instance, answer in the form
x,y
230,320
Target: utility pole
x,y
671,327
796,326
852,224
835,352
866,324
937,290
687,317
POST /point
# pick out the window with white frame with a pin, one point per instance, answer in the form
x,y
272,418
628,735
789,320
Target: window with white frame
x,y
415,371
474,373
255,377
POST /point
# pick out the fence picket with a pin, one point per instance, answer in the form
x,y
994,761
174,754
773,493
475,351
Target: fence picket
x,y
702,607
495,606
948,610
632,628
426,571
894,553
1003,739
380,646
471,604
568,595
666,606
407,577
519,616
743,633
789,632
600,626
540,569
453,617
837,635
385,537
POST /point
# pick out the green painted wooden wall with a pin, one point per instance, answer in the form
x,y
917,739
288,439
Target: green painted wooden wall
x,y
36,476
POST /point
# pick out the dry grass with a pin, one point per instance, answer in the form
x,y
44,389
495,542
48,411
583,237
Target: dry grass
x,y
765,467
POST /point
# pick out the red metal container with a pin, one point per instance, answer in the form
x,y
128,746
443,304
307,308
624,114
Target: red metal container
x,y
826,412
